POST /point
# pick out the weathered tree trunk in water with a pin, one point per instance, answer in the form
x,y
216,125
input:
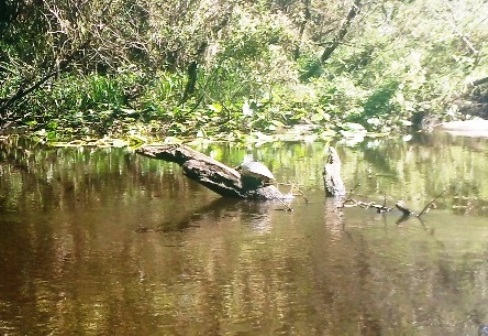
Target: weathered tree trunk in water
x,y
333,184
212,174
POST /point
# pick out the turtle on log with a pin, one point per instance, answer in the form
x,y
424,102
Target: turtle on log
x,y
254,174
216,176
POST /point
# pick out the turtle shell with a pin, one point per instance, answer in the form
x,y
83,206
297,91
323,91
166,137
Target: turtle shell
x,y
257,170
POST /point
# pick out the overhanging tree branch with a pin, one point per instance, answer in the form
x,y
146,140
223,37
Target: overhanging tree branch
x,y
65,45
339,37
342,31
22,92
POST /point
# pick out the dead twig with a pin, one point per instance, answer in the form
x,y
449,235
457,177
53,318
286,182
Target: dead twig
x,y
366,205
428,206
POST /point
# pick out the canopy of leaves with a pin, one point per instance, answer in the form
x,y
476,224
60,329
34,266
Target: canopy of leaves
x,y
220,69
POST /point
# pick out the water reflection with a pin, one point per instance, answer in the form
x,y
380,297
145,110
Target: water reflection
x,y
104,242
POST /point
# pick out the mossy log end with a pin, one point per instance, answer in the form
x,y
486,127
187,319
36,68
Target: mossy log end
x,y
333,184
216,176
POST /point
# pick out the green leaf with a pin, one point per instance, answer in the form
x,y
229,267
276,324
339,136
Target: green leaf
x,y
317,117
51,135
216,107
52,125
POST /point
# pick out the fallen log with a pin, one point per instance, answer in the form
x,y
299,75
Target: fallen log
x,y
214,175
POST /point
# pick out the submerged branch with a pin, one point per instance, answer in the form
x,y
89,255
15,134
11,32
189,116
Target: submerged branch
x,y
334,187
400,205
429,205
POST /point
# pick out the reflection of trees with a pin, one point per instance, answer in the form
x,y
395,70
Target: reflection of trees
x,y
59,222
71,259
420,169
85,272
65,177
373,283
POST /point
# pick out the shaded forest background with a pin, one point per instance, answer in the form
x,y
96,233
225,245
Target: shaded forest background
x,y
220,69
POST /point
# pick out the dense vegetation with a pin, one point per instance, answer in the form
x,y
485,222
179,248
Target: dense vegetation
x,y
223,69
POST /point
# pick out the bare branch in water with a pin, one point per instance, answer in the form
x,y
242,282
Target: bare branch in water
x,y
429,205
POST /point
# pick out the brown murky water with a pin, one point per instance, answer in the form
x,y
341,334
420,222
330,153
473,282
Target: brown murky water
x,y
101,242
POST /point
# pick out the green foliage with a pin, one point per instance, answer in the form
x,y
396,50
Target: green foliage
x,y
379,103
397,60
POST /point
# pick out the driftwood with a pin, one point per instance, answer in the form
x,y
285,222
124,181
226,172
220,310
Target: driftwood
x,y
333,184
210,173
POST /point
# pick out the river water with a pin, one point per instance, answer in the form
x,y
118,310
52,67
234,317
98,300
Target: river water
x,y
105,242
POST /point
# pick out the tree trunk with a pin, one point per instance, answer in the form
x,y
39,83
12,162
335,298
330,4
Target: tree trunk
x,y
333,184
480,81
303,24
336,42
